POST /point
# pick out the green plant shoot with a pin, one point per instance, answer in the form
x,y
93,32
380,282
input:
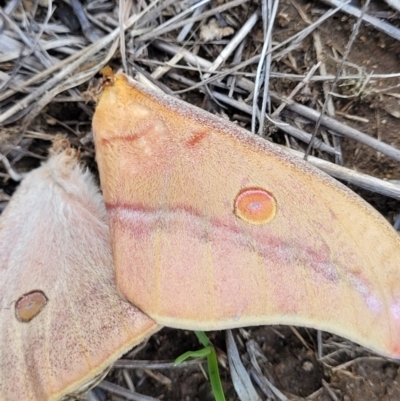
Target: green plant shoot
x,y
212,363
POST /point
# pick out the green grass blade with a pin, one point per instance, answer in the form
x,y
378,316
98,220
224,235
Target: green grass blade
x,y
212,363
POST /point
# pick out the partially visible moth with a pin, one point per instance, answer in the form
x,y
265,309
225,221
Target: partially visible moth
x,y
62,323
214,228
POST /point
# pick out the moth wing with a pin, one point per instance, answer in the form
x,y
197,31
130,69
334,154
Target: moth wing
x,y
54,241
214,228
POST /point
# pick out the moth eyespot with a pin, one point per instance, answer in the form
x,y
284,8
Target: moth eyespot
x,y
255,205
30,305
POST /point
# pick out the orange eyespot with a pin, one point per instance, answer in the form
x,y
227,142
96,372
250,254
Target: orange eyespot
x,y
255,206
30,305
